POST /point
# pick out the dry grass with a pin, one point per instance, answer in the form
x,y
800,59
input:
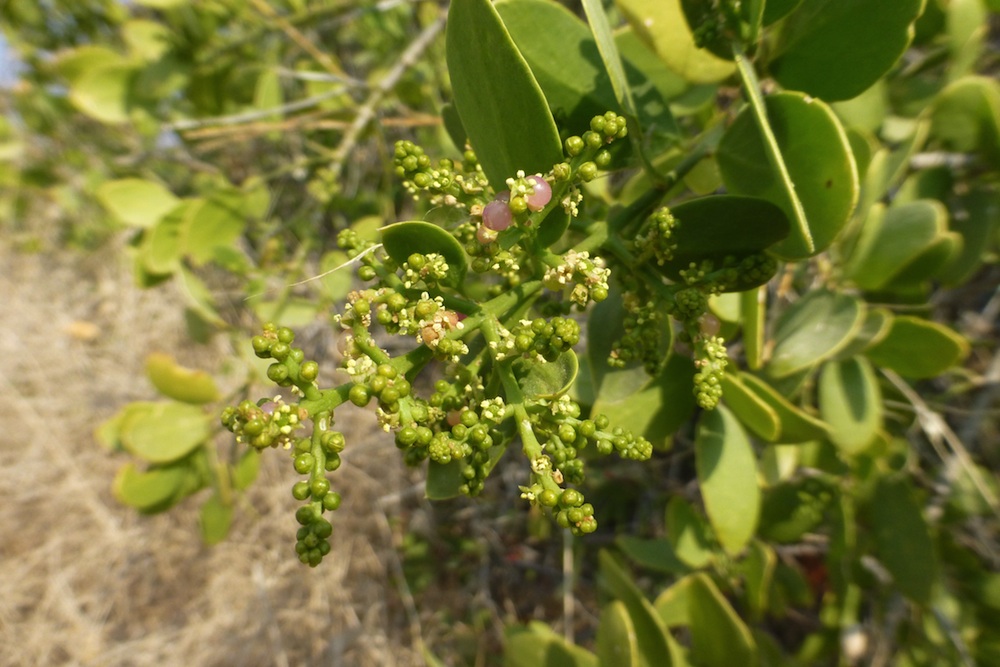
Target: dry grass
x,y
85,581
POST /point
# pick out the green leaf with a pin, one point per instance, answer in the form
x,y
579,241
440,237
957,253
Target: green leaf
x,y
789,512
549,379
564,59
758,575
199,299
894,245
405,238
135,201
752,411
180,383
216,518
160,251
688,533
727,471
103,92
968,25
835,49
659,408
663,27
797,425
213,222
444,481
902,540
654,554
813,329
151,491
966,117
245,472
851,403
337,279
146,40
719,638
774,10
718,227
819,163
672,604
650,633
501,106
108,432
753,314
538,646
976,217
918,349
165,432
616,638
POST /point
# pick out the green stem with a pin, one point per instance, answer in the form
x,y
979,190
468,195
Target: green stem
x,y
771,148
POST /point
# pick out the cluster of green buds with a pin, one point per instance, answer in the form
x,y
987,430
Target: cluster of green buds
x,y
501,354
657,239
446,183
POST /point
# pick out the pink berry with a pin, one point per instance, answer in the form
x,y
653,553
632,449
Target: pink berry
x,y
497,215
542,194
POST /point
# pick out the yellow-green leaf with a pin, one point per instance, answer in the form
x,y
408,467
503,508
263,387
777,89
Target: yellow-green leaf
x,y
180,383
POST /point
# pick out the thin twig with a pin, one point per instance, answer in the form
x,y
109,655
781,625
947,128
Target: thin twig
x,y
569,578
255,115
937,430
296,36
367,111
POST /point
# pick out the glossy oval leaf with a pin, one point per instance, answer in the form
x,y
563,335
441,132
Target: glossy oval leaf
x,y
663,27
180,383
405,238
919,349
213,222
976,217
245,472
659,408
966,116
149,491
548,379
718,227
902,540
538,646
688,533
654,554
718,636
835,49
136,201
161,247
672,604
166,432
617,643
727,472
563,57
215,519
103,93
752,411
813,329
891,242
650,633
817,155
503,110
851,403
797,425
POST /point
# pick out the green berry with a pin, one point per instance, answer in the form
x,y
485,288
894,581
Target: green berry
x,y
261,346
548,498
359,395
570,498
309,371
304,463
300,490
305,515
286,335
331,501
319,487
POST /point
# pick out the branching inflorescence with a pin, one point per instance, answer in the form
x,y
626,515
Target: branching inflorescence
x,y
502,345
